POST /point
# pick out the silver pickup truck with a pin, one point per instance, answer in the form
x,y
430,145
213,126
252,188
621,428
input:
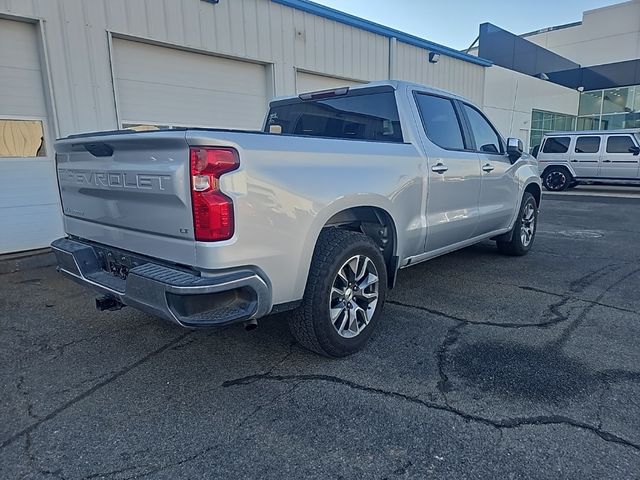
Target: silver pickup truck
x,y
315,214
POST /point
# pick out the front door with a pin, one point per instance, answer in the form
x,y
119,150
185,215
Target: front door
x,y
499,192
620,158
585,156
453,174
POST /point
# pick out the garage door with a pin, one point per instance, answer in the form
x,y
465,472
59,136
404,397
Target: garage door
x,y
311,82
29,213
169,87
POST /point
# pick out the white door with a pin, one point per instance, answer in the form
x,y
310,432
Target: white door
x,y
311,82
585,156
170,87
620,158
30,215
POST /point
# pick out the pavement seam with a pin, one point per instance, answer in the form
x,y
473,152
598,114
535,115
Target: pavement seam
x,y
90,391
506,423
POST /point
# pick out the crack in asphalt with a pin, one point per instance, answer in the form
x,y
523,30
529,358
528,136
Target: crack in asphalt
x,y
553,311
25,394
452,336
154,469
117,374
578,320
505,423
571,297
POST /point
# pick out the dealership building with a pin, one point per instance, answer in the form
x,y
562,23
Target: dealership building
x,y
71,66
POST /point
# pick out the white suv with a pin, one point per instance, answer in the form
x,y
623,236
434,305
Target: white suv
x,y
567,159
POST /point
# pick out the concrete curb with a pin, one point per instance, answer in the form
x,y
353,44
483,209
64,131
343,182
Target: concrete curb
x,y
15,262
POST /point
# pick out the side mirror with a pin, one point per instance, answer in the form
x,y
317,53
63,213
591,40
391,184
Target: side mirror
x,y
635,150
514,149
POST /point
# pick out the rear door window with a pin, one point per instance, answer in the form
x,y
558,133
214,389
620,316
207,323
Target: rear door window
x,y
557,145
357,116
440,121
619,144
587,145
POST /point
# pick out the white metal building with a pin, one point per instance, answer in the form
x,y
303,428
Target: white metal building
x,y
70,66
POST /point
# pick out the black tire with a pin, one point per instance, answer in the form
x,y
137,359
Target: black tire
x,y
557,179
311,323
516,245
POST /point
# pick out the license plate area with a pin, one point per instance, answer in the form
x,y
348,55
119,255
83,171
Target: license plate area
x,y
117,263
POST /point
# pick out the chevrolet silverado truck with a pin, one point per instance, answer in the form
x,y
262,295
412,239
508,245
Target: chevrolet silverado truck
x,y
314,214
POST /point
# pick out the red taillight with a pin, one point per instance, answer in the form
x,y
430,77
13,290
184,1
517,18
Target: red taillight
x,y
212,209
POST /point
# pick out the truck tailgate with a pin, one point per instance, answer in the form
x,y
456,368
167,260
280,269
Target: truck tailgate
x,y
129,190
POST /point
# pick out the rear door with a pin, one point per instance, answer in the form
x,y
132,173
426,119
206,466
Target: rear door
x,y
585,156
500,189
453,174
620,158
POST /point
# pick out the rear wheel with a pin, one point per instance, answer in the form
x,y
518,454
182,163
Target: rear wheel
x,y
524,230
556,179
344,295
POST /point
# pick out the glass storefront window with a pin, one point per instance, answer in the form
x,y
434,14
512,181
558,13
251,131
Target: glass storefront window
x,y
21,138
630,120
543,122
588,123
618,100
620,109
590,103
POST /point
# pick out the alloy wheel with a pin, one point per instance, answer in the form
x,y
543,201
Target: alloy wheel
x,y
528,224
354,296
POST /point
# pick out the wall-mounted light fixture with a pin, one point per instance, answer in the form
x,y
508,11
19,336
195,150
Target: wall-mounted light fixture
x,y
580,89
543,76
434,57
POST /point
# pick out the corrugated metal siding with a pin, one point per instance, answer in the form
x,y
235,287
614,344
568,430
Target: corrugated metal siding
x,y
30,217
464,78
78,47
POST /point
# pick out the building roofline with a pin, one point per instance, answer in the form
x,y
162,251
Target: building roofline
x,y
352,20
551,29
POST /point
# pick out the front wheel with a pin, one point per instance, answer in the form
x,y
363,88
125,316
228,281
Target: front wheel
x,y
524,230
344,294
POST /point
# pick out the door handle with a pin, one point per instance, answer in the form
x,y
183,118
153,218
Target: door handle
x,y
574,160
607,161
439,168
488,168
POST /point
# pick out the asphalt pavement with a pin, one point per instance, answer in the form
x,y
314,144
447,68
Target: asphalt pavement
x,y
484,366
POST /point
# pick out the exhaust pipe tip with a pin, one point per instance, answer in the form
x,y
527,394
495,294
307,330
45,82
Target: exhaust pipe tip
x,y
250,325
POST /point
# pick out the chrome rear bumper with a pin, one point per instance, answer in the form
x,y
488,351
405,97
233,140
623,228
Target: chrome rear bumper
x,y
180,296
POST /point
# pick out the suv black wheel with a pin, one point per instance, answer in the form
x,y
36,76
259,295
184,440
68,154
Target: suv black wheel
x,y
556,179
344,295
524,230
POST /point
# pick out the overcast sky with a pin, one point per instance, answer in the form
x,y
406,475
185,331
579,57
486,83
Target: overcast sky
x,y
454,23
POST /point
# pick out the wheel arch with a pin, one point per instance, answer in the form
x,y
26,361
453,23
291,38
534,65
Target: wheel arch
x,y
378,224
534,189
566,166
